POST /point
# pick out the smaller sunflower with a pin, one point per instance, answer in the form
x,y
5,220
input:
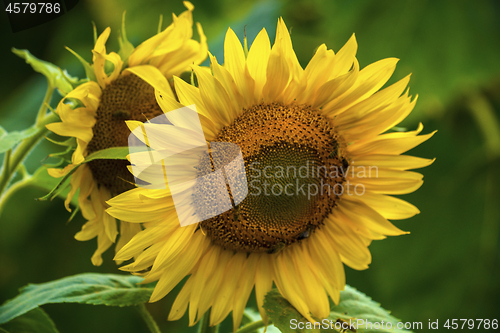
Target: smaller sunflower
x,y
95,112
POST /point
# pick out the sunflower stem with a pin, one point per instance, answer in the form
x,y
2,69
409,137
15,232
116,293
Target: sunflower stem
x,y
46,101
250,327
13,189
12,162
150,322
6,161
484,114
22,151
205,327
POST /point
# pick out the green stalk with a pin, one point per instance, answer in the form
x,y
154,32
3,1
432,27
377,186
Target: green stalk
x,y
14,188
46,102
6,161
23,150
12,162
205,327
486,119
250,327
150,322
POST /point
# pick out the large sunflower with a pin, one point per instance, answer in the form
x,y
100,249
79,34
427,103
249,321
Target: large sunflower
x,y
284,118
95,113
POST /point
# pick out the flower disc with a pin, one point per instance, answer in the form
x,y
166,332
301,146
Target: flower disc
x,y
288,163
127,98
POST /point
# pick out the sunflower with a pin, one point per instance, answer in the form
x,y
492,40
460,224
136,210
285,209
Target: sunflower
x,y
294,230
95,112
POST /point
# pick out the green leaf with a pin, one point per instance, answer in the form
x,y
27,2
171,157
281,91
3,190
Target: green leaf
x,y
88,288
75,81
114,153
353,306
62,154
35,321
89,69
3,132
281,312
69,142
10,140
54,74
43,180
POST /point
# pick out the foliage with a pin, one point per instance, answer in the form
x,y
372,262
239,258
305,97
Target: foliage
x,y
354,311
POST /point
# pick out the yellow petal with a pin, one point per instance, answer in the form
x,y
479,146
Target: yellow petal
x,y
349,245
223,302
75,182
362,214
257,60
146,258
313,291
335,89
100,45
370,79
263,282
398,162
58,173
173,50
181,301
243,289
215,97
209,264
99,67
228,82
103,243
397,183
153,77
316,73
392,143
144,239
379,121
209,295
127,231
179,241
345,58
283,42
168,104
278,75
371,105
325,281
89,230
63,129
329,261
183,265
387,206
234,62
189,94
285,277
82,117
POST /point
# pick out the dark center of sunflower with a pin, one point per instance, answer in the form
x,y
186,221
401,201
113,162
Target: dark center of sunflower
x,y
292,162
126,98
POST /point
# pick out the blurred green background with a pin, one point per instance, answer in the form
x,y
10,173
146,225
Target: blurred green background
x,y
448,267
